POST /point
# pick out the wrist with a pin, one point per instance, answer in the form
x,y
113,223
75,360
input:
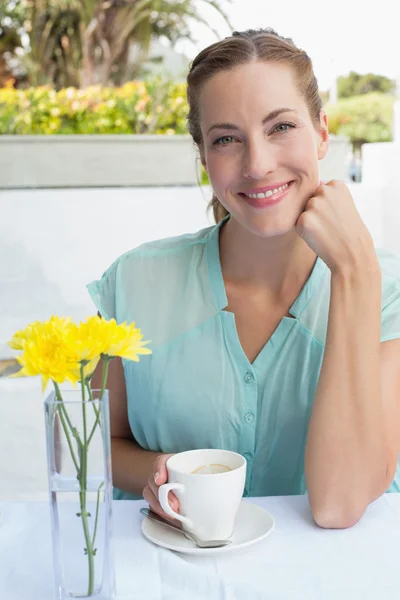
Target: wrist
x,y
360,281
359,266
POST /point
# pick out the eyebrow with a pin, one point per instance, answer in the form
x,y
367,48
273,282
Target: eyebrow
x,y
272,115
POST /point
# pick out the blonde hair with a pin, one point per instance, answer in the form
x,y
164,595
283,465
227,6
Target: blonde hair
x,y
241,48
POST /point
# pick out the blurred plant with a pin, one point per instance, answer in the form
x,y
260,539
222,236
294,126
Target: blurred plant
x,y
11,28
117,24
355,84
154,106
86,42
366,118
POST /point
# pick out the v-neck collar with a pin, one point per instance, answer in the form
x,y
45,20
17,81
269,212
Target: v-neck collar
x,y
217,281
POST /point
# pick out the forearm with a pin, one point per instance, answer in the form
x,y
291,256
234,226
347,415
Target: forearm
x,y
131,465
346,453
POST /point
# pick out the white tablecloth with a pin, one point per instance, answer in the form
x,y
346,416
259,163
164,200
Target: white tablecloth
x,y
298,561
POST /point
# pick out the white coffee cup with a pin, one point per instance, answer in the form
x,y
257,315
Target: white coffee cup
x,y
208,502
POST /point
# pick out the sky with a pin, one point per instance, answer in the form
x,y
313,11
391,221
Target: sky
x,y
340,36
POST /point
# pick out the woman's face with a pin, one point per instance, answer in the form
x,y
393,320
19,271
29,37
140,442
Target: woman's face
x,y
260,146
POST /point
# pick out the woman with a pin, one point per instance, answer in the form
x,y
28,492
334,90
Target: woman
x,y
274,333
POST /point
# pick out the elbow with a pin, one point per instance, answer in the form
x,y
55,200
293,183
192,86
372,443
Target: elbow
x,y
339,517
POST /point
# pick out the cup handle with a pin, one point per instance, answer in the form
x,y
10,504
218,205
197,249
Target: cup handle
x,y
163,492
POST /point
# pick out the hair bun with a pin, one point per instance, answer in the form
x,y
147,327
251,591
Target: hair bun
x,y
249,33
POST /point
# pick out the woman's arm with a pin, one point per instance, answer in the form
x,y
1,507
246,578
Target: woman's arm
x,y
133,469
354,433
131,465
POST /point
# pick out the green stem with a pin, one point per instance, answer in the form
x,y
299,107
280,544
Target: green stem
x,y
97,512
64,417
105,375
64,424
97,422
72,428
83,488
95,409
103,386
89,547
89,390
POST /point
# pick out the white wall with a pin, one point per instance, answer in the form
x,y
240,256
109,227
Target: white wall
x,y
381,163
53,242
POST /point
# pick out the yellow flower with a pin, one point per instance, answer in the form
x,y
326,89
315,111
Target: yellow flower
x,y
88,370
86,341
123,340
44,352
56,349
98,337
20,337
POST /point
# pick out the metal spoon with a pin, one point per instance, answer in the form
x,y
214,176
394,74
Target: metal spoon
x,y
200,543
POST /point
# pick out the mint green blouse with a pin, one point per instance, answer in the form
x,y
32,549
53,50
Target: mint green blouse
x,y
198,389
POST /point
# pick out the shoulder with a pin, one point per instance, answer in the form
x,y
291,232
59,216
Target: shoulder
x,y
162,285
167,246
153,257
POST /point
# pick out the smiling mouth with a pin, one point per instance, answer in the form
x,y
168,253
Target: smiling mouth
x,y
268,193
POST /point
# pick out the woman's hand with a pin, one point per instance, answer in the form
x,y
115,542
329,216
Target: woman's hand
x,y
333,228
157,478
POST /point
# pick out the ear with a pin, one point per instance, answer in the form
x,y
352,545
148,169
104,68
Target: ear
x,y
323,133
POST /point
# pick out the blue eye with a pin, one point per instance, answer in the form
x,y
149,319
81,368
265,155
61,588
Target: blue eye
x,y
285,126
224,140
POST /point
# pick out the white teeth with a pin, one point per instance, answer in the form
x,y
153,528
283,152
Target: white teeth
x,y
269,193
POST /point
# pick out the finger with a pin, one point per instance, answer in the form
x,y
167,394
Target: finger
x,y
173,500
160,469
155,505
153,502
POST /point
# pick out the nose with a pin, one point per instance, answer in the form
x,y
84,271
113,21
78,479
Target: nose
x,y
259,159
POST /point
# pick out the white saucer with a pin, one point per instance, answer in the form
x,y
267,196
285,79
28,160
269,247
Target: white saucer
x,y
252,524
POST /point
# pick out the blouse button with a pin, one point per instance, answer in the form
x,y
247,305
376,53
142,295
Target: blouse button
x,y
249,417
249,377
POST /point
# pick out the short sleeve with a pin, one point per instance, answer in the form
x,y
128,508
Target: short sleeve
x,y
103,292
390,320
390,317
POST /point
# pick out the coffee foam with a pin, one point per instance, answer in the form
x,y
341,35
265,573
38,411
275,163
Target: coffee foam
x,y
211,469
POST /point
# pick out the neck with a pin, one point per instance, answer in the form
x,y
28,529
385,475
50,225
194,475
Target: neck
x,y
279,264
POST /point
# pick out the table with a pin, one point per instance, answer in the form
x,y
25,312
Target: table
x,y
298,561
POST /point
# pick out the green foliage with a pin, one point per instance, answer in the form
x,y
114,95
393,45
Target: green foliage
x,y
204,180
87,42
366,118
11,23
355,84
154,106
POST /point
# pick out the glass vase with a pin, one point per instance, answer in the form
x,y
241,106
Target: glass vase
x,y
80,486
